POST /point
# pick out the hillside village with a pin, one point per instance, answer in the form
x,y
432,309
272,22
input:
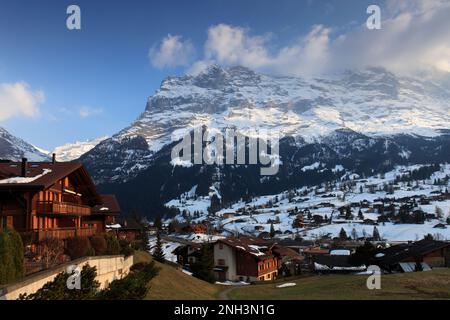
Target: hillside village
x,y
319,228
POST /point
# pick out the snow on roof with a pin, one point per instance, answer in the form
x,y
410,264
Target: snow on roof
x,y
113,226
340,252
20,180
322,267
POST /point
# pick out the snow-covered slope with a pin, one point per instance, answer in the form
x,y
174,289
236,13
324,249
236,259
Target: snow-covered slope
x,y
14,148
373,102
72,151
281,210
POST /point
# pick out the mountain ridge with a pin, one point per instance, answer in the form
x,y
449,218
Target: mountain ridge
x,y
14,148
373,102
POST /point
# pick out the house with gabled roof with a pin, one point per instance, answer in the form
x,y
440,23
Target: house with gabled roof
x,y
52,200
245,259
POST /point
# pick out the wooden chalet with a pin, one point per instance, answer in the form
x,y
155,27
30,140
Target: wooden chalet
x,y
245,259
188,254
51,200
106,213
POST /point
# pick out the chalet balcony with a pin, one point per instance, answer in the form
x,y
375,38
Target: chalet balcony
x,y
65,208
59,233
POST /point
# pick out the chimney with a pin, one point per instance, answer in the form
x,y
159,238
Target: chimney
x,y
53,158
24,167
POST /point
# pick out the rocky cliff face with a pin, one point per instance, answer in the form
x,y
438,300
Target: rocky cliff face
x,y
364,121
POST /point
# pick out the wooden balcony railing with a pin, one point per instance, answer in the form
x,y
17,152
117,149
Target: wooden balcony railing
x,y
63,208
59,233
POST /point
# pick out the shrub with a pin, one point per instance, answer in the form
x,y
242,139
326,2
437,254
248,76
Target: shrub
x,y
78,247
132,287
57,289
99,245
203,267
126,248
112,245
11,256
51,250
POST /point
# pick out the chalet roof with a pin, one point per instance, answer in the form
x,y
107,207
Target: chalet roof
x,y
109,206
42,175
130,224
402,252
333,261
284,252
257,247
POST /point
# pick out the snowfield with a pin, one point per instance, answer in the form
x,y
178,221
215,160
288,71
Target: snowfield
x,y
259,214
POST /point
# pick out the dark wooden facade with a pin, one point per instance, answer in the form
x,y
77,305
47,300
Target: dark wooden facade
x,y
50,200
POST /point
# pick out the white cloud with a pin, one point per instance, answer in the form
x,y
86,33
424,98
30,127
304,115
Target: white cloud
x,y
414,38
173,51
85,112
233,45
230,45
16,99
309,55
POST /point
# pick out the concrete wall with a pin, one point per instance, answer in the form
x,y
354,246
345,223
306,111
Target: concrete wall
x,y
109,268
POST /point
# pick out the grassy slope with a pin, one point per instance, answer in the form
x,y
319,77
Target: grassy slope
x,y
421,285
172,284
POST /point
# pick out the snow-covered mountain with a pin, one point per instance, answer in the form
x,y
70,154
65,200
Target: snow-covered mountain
x,y
14,148
373,102
73,151
366,121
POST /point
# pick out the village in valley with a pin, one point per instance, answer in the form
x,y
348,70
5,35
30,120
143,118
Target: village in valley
x,y
398,221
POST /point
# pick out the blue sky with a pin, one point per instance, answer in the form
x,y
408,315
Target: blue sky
x,y
81,84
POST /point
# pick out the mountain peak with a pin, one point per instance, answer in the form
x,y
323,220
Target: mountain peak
x,y
14,149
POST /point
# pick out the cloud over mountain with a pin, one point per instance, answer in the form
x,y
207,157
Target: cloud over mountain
x,y
413,39
17,99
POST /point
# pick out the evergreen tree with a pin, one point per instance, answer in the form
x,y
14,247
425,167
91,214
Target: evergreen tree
x,y
158,223
272,230
343,234
11,256
363,254
360,215
376,234
158,253
203,267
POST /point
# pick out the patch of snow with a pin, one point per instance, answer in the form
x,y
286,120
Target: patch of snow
x,y
24,180
287,285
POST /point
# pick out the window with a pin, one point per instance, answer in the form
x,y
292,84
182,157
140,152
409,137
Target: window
x,y
3,222
221,262
220,246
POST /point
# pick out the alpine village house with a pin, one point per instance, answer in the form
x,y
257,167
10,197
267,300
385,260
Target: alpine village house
x,y
43,200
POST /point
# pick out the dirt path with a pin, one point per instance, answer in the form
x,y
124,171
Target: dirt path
x,y
224,294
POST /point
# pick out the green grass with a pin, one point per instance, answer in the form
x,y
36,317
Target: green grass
x,y
173,284
419,285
